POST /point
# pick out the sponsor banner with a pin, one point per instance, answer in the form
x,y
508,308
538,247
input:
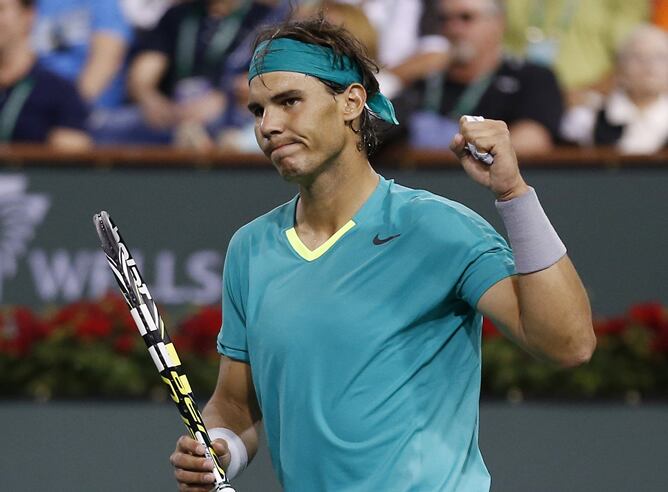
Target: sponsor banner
x,y
176,223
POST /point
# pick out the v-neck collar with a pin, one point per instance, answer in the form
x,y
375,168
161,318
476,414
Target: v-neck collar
x,y
364,211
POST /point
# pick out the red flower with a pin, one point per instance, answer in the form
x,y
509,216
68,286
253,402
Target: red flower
x,y
489,330
93,323
20,330
612,326
125,343
651,314
199,332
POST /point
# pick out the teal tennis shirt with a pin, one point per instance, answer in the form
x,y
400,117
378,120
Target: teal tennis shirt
x,y
365,353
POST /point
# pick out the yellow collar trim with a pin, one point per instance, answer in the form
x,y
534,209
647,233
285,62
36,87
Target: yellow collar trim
x,y
309,255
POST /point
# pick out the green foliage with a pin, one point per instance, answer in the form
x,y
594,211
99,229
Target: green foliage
x,y
93,349
630,361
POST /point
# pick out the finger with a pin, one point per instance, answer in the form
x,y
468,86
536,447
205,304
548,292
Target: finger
x,y
194,479
187,444
190,462
457,145
195,488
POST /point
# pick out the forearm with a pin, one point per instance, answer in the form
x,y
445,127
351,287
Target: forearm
x,y
145,74
530,138
555,316
103,63
544,308
237,419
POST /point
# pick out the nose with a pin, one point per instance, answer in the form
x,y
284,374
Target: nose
x,y
271,122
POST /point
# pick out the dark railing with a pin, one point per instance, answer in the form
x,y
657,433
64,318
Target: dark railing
x,y
401,158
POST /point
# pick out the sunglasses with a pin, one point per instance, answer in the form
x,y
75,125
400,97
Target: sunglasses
x,y
464,17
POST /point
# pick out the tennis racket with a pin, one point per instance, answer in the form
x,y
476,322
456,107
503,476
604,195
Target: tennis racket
x,y
152,329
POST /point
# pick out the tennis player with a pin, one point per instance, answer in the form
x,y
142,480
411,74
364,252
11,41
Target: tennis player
x,y
352,313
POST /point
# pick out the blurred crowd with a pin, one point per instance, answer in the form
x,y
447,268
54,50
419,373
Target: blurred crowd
x,y
79,73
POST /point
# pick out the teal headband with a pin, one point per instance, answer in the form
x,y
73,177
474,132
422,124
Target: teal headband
x,y
290,55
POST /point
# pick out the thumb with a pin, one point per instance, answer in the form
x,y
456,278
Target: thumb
x,y
457,145
222,451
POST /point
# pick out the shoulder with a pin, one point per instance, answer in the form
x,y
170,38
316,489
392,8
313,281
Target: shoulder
x,y
177,12
527,71
51,83
435,215
42,75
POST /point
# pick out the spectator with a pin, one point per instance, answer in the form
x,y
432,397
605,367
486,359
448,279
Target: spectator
x,y
348,15
577,39
183,76
480,80
35,104
85,41
634,117
144,15
408,49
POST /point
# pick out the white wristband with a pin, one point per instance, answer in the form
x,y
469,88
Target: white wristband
x,y
534,241
238,453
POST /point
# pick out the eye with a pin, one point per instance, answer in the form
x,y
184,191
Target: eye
x,y
257,112
292,101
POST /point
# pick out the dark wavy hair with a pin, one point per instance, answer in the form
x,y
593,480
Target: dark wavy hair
x,y
318,31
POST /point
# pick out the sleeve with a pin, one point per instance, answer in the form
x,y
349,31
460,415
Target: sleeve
x,y
70,110
541,99
232,337
108,17
488,259
163,36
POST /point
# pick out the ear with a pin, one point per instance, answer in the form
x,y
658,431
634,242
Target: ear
x,y
354,101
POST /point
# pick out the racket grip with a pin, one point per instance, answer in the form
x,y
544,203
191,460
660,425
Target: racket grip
x,y
223,487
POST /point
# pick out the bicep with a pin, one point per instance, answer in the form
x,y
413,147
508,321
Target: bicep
x,y
500,304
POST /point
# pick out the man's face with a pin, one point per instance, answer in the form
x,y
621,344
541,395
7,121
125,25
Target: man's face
x,y
298,123
472,27
643,69
15,22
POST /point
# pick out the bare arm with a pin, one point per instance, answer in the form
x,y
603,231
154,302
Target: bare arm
x,y
546,312
530,138
233,405
69,139
143,85
105,59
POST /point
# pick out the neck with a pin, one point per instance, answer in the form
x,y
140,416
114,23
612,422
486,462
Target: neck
x,y
642,100
470,71
328,202
15,63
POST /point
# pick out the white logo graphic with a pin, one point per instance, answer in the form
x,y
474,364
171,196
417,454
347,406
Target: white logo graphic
x,y
20,214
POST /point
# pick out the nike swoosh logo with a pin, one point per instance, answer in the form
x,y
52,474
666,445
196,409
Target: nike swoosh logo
x,y
378,241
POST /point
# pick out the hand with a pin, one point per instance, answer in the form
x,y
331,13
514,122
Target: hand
x,y
158,111
203,109
503,177
193,471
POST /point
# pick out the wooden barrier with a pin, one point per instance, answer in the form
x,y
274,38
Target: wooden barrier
x,y
397,157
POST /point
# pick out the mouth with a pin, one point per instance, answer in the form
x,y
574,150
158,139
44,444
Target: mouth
x,y
281,150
